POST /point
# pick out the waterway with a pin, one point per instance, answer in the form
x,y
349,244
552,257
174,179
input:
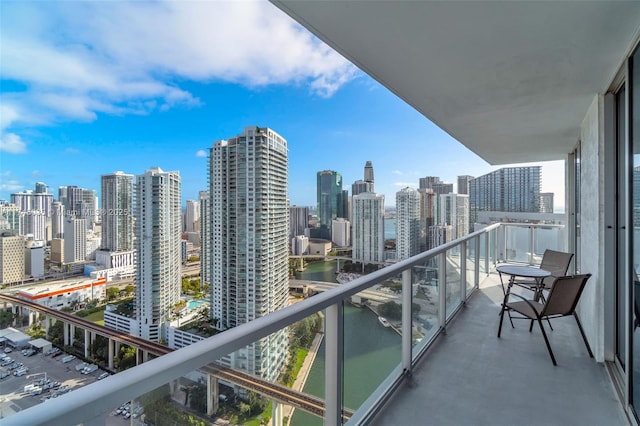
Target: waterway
x,y
371,352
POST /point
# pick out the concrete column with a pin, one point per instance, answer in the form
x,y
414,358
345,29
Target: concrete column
x,y
65,329
213,400
110,345
276,413
46,326
407,325
333,365
72,334
138,356
87,340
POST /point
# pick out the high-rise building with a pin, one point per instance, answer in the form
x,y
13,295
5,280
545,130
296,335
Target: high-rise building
x,y
158,226
511,189
117,212
428,203
11,257
368,173
80,203
298,220
438,187
30,201
360,186
205,237
34,258
407,223
41,188
454,211
191,217
367,231
546,202
75,240
463,184
10,217
34,224
57,220
330,200
249,225
341,232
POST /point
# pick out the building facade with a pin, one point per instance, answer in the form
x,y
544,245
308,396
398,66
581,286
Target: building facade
x,y
367,229
407,223
511,189
298,221
330,200
249,247
341,232
463,184
75,241
117,212
11,257
158,228
454,211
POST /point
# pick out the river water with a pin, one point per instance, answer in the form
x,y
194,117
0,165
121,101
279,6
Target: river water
x,y
371,352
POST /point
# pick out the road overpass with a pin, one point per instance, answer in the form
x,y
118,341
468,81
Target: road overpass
x,y
376,296
276,392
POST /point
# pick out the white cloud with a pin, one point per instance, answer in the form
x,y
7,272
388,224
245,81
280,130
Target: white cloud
x,y
72,151
201,153
79,59
9,184
397,172
405,184
12,143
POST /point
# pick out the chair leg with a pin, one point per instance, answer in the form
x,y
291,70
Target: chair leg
x,y
531,326
586,343
501,319
546,340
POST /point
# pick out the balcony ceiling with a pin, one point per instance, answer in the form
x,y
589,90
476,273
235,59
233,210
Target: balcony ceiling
x,y
511,81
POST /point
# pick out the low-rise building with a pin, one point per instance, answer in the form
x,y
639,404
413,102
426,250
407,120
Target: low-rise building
x,y
63,293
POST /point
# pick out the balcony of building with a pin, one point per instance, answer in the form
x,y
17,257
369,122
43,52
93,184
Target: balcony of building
x,y
445,363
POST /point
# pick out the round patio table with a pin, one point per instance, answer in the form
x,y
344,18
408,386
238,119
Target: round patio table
x,y
526,272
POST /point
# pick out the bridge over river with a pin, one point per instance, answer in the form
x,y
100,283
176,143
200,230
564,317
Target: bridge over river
x,y
375,295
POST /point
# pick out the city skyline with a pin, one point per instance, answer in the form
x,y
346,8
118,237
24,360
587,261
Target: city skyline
x,y
106,102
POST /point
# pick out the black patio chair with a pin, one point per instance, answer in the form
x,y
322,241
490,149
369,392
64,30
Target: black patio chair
x,y
561,301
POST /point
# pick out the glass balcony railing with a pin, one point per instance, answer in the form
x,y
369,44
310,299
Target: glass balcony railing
x,y
414,299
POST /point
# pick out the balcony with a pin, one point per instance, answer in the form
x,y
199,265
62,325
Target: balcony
x,y
461,373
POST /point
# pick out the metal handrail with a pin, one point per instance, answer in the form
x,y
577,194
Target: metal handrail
x,y
97,399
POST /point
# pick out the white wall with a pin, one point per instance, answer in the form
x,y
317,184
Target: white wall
x,y
591,181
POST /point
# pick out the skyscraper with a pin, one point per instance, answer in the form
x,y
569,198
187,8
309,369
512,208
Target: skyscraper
x,y
192,216
11,257
428,203
75,240
511,189
546,202
368,227
57,220
454,211
360,186
249,225
463,184
407,223
117,212
330,202
368,173
298,220
205,237
158,228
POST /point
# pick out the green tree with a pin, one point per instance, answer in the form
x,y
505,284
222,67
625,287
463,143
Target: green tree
x,y
390,310
6,318
129,289
113,293
126,358
56,333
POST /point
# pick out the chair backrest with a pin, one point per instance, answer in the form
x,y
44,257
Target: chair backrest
x,y
564,295
556,262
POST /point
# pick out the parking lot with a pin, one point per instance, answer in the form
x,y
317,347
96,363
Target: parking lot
x,y
13,398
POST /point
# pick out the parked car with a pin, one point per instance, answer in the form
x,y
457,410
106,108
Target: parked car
x,y
7,350
21,372
4,374
6,361
103,376
68,358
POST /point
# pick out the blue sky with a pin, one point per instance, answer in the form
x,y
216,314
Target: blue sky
x,y
89,88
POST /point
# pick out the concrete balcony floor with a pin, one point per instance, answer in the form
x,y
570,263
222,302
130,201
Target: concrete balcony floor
x,y
470,377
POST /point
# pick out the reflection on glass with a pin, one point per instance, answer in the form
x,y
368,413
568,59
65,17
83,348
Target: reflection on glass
x,y
471,265
634,96
517,242
452,282
425,304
